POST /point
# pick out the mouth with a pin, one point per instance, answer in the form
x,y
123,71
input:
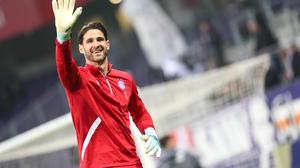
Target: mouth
x,y
98,51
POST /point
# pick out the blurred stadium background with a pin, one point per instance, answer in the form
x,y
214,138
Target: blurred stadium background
x,y
221,76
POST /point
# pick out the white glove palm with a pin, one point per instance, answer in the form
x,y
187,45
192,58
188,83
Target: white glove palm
x,y
64,16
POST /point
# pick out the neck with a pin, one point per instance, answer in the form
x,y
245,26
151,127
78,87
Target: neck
x,y
103,66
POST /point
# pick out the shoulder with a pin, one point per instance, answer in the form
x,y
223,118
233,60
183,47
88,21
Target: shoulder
x,y
82,69
84,72
122,74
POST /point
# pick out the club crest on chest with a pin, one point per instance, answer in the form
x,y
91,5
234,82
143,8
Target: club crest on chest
x,y
121,84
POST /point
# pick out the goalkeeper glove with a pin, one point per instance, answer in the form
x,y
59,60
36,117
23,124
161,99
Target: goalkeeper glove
x,y
64,17
152,145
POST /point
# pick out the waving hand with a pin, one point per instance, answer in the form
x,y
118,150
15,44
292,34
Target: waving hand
x,y
64,15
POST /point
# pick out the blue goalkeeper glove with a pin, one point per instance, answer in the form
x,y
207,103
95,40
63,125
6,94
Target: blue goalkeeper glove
x,y
152,145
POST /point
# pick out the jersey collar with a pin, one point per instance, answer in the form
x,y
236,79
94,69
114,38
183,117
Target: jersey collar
x,y
96,70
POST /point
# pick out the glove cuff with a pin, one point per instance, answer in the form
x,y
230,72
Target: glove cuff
x,y
151,132
62,37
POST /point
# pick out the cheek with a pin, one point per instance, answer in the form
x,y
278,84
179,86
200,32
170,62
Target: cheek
x,y
104,44
87,48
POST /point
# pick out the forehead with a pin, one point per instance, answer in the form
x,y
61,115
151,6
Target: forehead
x,y
92,33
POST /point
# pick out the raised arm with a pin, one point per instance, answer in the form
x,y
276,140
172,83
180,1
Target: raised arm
x,y
64,20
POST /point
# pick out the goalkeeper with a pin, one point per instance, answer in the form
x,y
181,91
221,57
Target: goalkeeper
x,y
100,97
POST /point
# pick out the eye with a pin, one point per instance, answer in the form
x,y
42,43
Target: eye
x,y
89,40
100,39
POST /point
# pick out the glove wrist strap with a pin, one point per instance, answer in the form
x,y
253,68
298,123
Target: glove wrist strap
x,y
151,132
62,37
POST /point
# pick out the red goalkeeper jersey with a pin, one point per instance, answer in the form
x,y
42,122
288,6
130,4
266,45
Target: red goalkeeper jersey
x,y
100,107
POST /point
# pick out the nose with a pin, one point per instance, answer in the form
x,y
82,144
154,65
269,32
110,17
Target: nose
x,y
96,43
98,46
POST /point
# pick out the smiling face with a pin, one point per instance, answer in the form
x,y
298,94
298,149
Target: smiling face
x,y
94,47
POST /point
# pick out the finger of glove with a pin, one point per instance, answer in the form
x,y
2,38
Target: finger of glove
x,y
60,4
66,4
153,151
158,153
71,5
151,146
148,142
151,141
54,6
76,14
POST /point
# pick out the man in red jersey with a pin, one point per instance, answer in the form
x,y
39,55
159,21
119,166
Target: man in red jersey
x,y
100,97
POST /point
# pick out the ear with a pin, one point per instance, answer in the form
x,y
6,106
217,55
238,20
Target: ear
x,y
81,50
108,44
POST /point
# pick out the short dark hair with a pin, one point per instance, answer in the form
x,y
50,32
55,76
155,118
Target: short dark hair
x,y
89,26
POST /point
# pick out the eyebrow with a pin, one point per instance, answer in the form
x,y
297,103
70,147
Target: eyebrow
x,y
101,38
91,38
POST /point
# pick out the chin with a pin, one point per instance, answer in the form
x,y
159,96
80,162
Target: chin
x,y
99,59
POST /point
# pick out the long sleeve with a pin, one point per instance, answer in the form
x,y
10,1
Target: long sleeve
x,y
139,113
66,67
